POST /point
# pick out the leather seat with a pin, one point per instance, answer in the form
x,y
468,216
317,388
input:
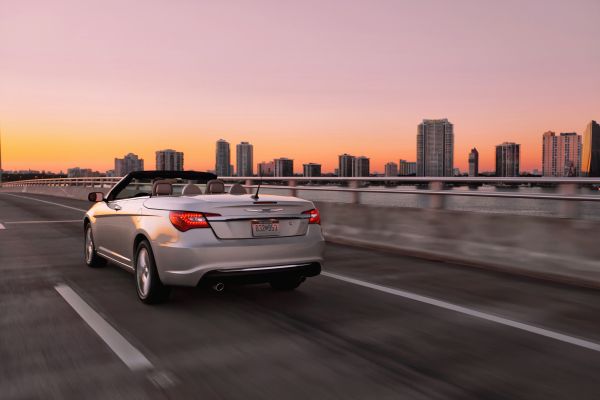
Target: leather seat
x,y
191,190
237,189
215,186
162,188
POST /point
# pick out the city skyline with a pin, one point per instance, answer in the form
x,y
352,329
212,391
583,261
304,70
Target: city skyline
x,y
296,170
309,90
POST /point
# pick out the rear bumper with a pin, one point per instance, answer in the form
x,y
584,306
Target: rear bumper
x,y
260,274
185,261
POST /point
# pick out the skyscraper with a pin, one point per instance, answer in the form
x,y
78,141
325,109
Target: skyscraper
x,y
407,168
561,155
311,169
590,155
391,169
346,165
223,158
266,168
507,159
0,157
549,152
435,148
474,162
131,162
284,167
243,154
169,160
361,166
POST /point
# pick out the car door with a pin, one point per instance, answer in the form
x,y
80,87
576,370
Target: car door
x,y
120,228
103,214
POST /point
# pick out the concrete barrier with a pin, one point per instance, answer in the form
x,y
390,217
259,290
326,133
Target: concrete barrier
x,y
557,249
565,250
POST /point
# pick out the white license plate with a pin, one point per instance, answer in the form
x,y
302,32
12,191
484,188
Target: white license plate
x,y
265,228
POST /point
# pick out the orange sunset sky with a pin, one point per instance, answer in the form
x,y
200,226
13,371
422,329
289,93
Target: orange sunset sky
x,y
84,82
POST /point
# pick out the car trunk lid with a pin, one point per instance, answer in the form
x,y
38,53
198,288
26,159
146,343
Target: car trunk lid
x,y
243,217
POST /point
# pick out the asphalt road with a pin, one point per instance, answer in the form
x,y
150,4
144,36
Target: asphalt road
x,y
361,332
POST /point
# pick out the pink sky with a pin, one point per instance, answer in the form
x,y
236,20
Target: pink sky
x,y
82,82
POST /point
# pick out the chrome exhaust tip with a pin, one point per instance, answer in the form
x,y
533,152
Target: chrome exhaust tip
x,y
218,287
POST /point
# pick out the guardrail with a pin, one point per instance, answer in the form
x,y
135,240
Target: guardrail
x,y
103,181
436,187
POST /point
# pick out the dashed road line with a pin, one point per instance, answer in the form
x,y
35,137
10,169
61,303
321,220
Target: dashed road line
x,y
471,312
2,227
131,356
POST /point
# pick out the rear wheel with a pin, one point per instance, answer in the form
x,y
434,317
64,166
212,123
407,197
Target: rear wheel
x,y
287,283
150,289
92,259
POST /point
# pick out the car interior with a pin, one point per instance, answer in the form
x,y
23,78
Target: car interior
x,y
177,187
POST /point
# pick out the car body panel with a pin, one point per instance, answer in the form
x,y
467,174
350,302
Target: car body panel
x,y
183,258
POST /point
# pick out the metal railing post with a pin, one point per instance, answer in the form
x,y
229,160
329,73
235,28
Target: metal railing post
x,y
568,209
437,201
292,184
355,194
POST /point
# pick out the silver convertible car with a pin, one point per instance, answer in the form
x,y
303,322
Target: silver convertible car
x,y
183,228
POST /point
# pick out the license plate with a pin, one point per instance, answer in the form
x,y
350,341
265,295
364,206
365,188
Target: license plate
x,y
265,228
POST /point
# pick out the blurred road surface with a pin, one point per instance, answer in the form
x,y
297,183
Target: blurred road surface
x,y
355,334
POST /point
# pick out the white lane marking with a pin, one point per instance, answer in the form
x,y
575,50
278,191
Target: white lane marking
x,y
42,222
45,201
2,226
131,356
471,312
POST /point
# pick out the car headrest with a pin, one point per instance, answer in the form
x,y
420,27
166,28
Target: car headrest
x,y
237,189
215,186
162,188
191,190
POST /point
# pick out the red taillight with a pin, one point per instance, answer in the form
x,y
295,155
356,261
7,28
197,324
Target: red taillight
x,y
313,216
186,220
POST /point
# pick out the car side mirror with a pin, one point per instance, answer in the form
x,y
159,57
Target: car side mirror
x,y
96,197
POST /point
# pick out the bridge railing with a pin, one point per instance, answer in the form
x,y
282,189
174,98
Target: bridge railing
x,y
99,182
568,190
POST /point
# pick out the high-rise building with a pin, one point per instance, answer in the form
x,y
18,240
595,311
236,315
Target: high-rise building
x,y
590,154
361,166
243,154
561,155
77,172
223,159
507,159
131,162
1,157
311,169
169,160
407,168
346,165
549,153
284,167
265,168
435,148
391,169
474,162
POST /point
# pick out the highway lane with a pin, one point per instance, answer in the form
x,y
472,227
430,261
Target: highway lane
x,y
330,339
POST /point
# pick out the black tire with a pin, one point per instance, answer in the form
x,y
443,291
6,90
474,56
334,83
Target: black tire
x,y
287,283
148,285
90,256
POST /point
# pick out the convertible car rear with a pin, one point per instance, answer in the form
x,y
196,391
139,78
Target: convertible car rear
x,y
187,228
